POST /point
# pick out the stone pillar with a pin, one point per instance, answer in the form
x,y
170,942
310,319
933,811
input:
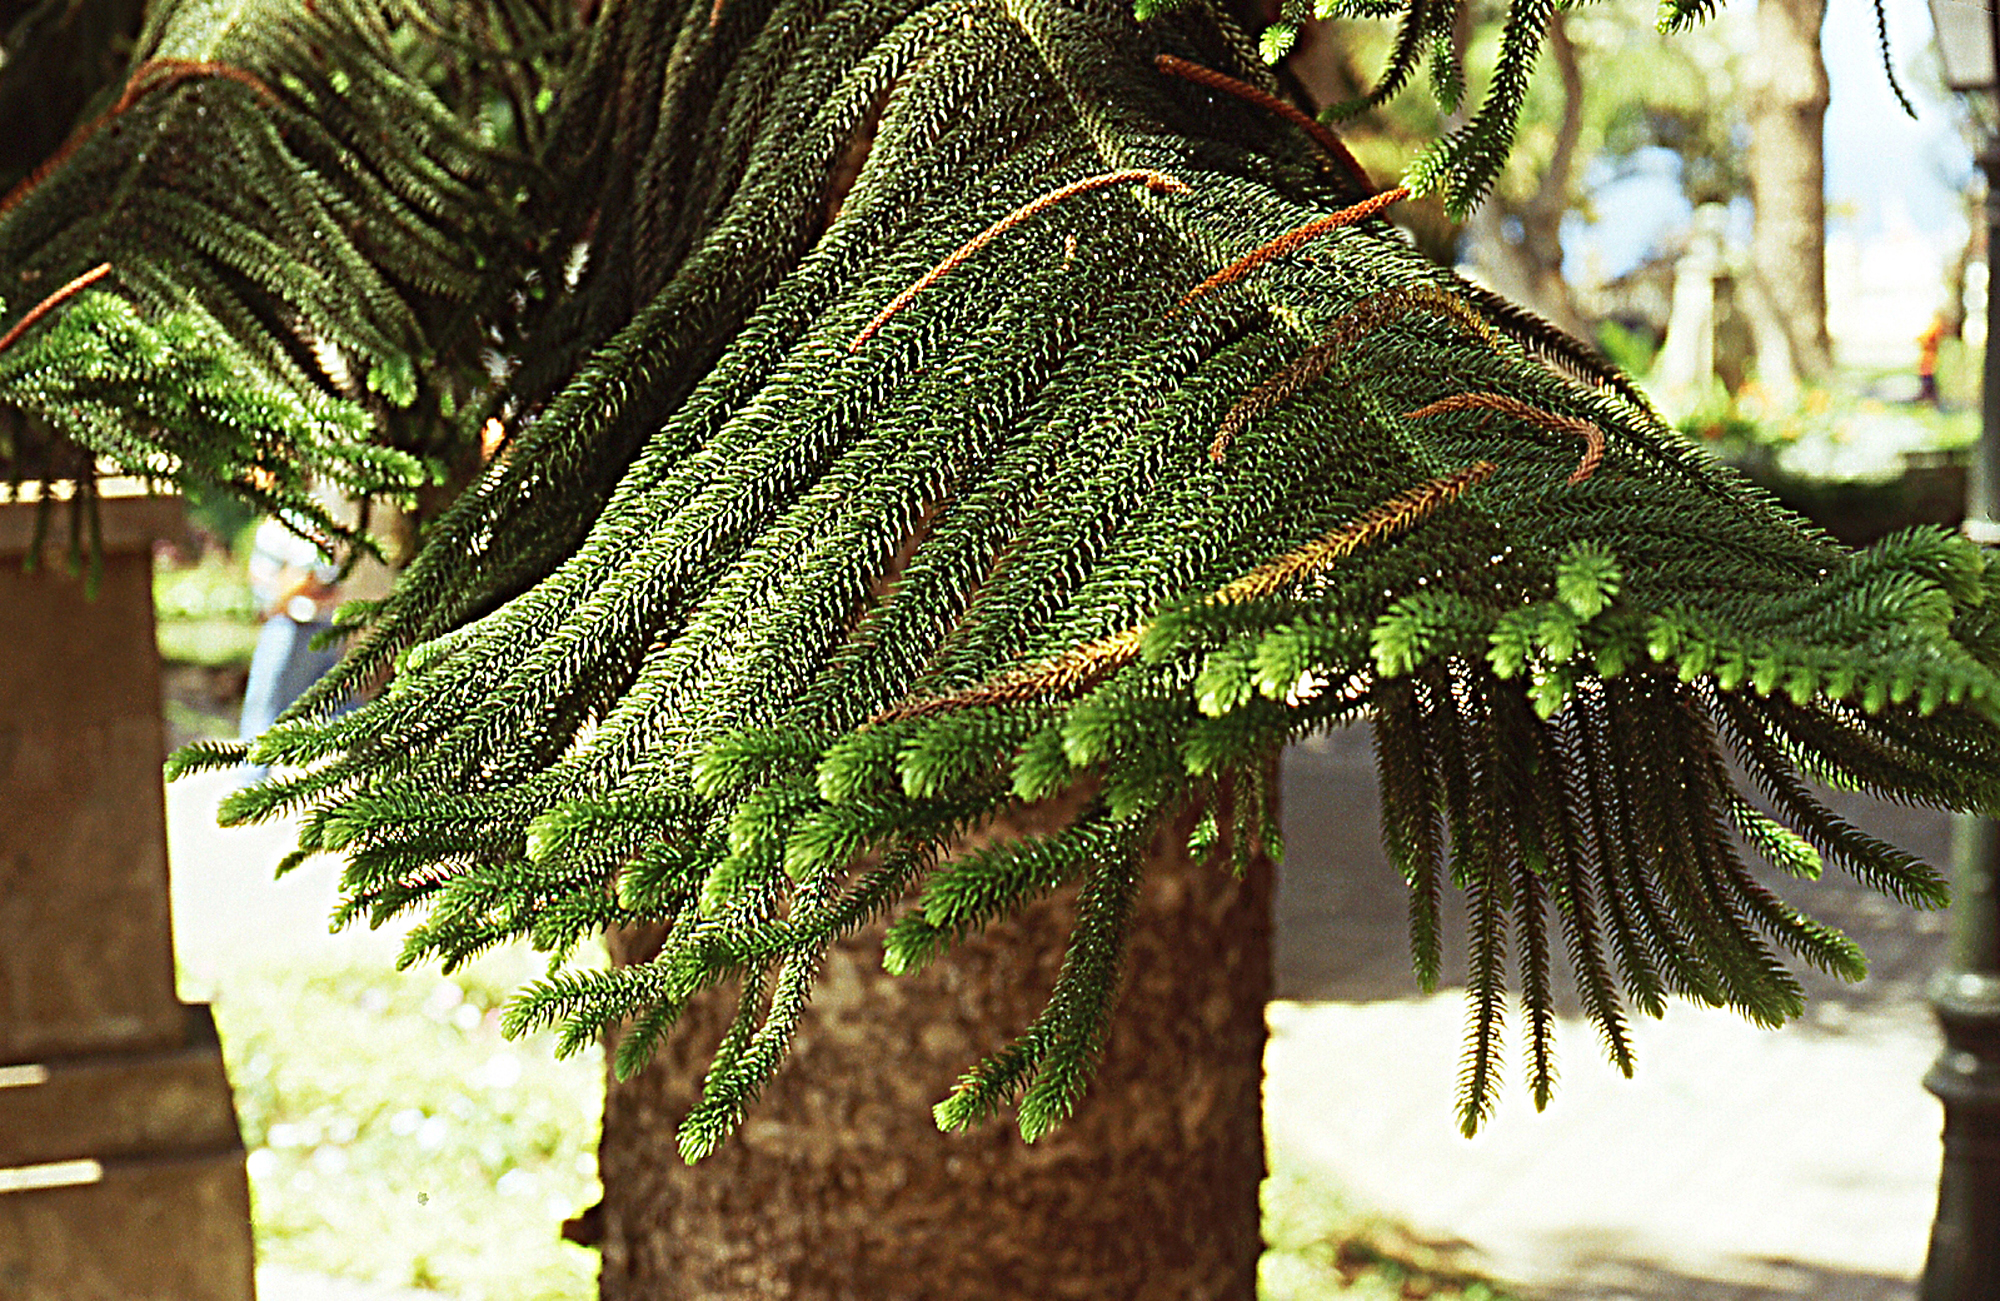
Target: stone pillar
x,y
121,1167
1685,369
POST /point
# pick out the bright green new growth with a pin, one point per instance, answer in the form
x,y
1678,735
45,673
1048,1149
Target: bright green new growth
x,y
772,599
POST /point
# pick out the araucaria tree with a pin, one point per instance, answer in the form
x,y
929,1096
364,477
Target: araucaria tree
x,y
924,421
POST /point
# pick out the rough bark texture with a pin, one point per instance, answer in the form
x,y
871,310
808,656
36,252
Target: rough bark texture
x,y
840,1186
1788,187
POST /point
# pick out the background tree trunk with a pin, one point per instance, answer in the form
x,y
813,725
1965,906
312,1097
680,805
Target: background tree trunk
x,y
840,1186
1518,245
1787,296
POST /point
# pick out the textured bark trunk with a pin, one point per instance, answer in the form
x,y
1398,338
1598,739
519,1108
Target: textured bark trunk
x,y
1788,183
840,1186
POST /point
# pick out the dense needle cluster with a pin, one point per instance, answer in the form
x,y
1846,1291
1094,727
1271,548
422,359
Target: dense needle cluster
x,y
916,406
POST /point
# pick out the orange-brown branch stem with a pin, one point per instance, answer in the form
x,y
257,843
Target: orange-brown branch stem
x,y
1295,239
1527,413
1070,673
1158,182
1080,668
1321,357
152,75
158,74
53,301
1403,511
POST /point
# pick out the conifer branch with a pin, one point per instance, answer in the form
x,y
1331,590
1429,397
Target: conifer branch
x,y
1403,511
53,301
1417,27
1065,676
1157,182
1563,351
1330,144
1293,240
753,621
1888,63
1323,356
152,75
1527,413
1081,668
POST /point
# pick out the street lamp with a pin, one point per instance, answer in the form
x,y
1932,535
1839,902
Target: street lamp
x,y
1964,1260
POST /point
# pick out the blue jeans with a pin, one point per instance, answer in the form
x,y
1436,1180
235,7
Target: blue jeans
x,y
282,667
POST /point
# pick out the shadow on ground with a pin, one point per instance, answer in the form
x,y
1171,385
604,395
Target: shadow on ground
x,y
1737,1165
1761,1280
1342,932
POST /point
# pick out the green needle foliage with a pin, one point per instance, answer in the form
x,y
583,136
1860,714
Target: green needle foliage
x,y
917,406
279,205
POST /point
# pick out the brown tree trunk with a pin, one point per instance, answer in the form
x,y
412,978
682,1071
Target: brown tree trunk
x,y
1788,188
840,1186
1519,244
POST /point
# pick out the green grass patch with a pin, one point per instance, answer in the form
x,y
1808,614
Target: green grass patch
x,y
215,587
396,1137
211,643
205,612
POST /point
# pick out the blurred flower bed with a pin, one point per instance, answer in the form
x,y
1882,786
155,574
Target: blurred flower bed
x,y
1860,457
1828,434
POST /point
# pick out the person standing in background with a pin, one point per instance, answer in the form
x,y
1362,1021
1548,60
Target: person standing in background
x,y
1928,344
296,588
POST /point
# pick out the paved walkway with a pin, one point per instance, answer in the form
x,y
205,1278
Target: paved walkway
x,y
230,916
1739,1164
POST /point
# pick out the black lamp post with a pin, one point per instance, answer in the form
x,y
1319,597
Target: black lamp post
x,y
1964,1260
